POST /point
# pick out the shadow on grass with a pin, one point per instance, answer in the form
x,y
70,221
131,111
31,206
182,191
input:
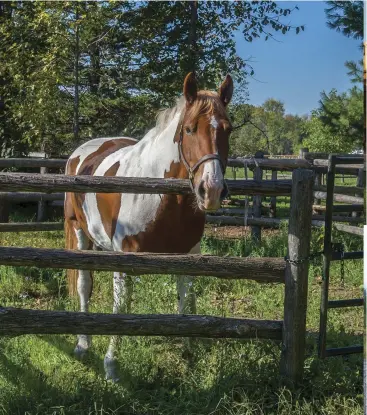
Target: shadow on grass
x,y
240,376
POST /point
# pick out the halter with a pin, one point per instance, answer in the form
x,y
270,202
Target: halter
x,y
191,170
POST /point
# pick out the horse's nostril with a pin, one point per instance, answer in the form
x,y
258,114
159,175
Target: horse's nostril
x,y
201,190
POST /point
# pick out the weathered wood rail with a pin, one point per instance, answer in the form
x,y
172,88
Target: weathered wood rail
x,y
15,321
257,269
310,161
21,197
31,226
273,222
50,183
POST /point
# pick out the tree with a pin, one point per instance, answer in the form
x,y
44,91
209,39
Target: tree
x,y
266,128
346,17
105,68
338,124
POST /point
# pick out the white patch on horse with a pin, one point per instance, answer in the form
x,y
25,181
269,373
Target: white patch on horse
x,y
84,282
151,157
90,147
212,173
213,122
96,228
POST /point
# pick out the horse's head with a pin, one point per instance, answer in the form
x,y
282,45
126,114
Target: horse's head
x,y
204,141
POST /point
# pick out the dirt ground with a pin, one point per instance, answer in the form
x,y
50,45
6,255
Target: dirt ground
x,y
233,232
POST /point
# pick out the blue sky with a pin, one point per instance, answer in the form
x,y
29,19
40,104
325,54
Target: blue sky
x,y
297,68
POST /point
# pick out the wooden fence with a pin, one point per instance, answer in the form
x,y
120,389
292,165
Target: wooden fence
x,y
294,275
254,215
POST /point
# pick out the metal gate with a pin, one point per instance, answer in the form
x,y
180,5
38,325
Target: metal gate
x,y
332,252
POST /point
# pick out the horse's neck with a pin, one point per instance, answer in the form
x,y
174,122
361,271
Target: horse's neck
x,y
158,151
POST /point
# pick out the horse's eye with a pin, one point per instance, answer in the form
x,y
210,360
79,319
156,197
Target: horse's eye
x,y
188,130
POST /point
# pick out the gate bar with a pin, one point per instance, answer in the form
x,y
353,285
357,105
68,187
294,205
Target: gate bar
x,y
352,302
327,255
343,350
336,256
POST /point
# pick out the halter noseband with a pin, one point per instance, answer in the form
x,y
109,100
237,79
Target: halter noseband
x,y
191,170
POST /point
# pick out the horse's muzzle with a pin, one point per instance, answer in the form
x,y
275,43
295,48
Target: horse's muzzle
x,y
209,195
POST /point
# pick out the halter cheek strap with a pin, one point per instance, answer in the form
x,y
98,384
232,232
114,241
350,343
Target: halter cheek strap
x,y
191,170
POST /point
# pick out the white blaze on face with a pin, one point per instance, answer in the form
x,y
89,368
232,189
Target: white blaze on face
x,y
214,122
213,178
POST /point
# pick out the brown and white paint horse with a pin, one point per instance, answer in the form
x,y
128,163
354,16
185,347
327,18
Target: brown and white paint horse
x,y
189,141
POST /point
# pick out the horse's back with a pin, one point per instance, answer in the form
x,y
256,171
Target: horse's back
x,y
86,159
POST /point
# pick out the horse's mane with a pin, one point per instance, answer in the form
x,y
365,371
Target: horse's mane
x,y
207,103
164,117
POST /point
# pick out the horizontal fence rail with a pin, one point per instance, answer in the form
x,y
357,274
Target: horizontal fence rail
x,y
269,164
31,226
18,197
49,183
257,269
19,321
341,208
240,221
272,222
344,190
340,198
275,223
32,163
287,164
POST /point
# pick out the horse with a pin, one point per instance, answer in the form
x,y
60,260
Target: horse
x,y
189,141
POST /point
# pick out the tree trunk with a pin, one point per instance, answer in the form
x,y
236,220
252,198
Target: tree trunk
x,y
76,76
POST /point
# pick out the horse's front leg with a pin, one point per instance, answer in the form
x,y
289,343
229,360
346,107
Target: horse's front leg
x,y
187,299
185,290
84,288
122,296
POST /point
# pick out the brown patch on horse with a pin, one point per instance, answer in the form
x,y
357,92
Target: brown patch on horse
x,y
178,212
72,165
109,205
174,212
91,163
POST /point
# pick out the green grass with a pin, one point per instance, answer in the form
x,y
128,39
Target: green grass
x,y
39,375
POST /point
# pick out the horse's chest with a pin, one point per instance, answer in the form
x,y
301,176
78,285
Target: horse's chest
x,y
143,223
167,224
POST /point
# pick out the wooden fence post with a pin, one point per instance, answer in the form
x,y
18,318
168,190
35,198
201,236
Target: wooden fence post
x,y
296,277
302,152
318,182
256,201
361,182
4,209
273,199
234,173
41,206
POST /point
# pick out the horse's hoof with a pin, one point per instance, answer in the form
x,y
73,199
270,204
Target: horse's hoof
x,y
110,367
80,352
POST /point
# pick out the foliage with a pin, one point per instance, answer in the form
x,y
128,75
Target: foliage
x,y
346,17
126,60
337,126
266,128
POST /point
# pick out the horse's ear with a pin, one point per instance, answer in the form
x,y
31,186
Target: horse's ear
x,y
226,90
190,88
